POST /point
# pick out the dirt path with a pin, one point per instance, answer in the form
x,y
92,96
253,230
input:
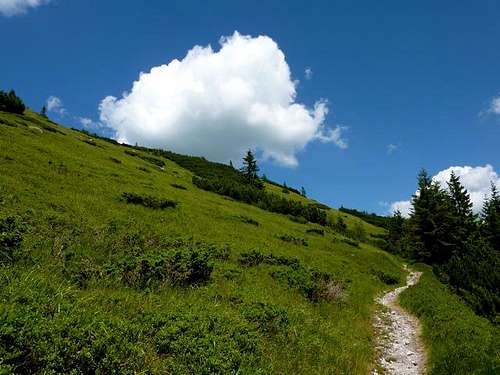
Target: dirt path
x,y
400,349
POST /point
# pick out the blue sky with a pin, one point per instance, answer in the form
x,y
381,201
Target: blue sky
x,y
417,75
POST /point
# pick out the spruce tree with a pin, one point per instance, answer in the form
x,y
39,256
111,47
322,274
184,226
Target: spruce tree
x,y
431,221
303,191
250,167
462,217
43,111
490,216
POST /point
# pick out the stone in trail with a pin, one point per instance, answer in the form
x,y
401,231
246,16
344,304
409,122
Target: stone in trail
x,y
401,351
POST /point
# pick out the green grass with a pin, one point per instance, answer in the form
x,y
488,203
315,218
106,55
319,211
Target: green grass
x,y
459,341
65,304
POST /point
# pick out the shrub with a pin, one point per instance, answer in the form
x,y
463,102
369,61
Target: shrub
x,y
269,319
387,277
177,186
315,285
350,242
10,102
298,219
181,266
11,237
148,201
295,240
115,160
254,258
251,194
248,220
321,232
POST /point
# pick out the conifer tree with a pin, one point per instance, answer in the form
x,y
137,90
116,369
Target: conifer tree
x,y
303,191
431,221
43,111
490,216
250,167
463,219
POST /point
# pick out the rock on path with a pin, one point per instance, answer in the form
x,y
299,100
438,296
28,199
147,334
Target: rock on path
x,y
399,345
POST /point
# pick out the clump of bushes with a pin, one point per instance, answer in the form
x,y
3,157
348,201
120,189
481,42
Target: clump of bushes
x,y
11,237
179,267
248,220
292,239
251,194
387,277
10,102
254,258
269,319
150,159
148,201
115,160
298,219
350,242
321,232
177,186
315,285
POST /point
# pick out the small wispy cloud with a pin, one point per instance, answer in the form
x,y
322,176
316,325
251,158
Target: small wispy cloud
x,y
308,73
11,8
493,107
55,105
391,147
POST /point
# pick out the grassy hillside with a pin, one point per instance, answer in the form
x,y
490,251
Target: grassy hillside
x,y
208,286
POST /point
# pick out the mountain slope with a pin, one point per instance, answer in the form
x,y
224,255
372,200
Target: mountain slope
x,y
211,285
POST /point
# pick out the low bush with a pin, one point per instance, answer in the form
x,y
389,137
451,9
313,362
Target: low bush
x,y
387,277
321,232
251,194
350,242
11,237
298,219
314,285
292,239
269,319
190,265
248,220
115,160
177,186
254,258
148,201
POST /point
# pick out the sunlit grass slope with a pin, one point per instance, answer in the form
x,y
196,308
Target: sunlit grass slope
x,y
65,305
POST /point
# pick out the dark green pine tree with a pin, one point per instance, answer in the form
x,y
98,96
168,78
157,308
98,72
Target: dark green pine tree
x,y
431,221
231,163
463,219
490,216
250,167
303,191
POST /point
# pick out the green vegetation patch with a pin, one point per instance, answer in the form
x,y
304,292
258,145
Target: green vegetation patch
x,y
148,201
459,341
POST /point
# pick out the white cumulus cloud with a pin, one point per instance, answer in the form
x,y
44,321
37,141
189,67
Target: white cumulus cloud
x,y
477,181
14,7
220,103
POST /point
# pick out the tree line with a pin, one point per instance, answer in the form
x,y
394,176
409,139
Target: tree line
x,y
10,102
463,247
